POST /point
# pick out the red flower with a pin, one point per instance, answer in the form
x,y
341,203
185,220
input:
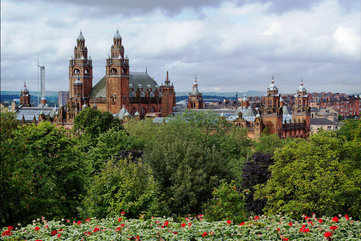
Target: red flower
x,y
120,219
189,224
307,230
96,230
117,229
137,237
10,228
327,234
37,228
175,232
278,229
122,213
87,220
333,227
68,221
79,222
183,225
204,234
6,233
320,220
290,224
122,225
241,224
53,232
256,217
347,217
166,223
306,218
229,221
59,235
284,239
335,219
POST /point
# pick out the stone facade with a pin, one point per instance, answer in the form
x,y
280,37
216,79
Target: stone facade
x,y
120,88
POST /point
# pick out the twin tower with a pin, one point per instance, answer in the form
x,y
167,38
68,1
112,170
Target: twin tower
x,y
119,88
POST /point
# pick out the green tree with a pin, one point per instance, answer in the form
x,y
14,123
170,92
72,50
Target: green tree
x,y
321,175
227,203
45,175
350,130
123,186
94,122
189,156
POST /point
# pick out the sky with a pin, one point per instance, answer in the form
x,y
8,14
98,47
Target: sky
x,y
231,45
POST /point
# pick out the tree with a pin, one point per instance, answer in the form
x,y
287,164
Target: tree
x,y
227,203
44,174
188,158
93,122
123,186
321,175
255,171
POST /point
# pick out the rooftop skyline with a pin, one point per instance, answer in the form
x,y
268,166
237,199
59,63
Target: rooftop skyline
x,y
229,45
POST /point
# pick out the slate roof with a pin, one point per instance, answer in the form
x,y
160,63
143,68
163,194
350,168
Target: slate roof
x,y
30,112
321,121
136,80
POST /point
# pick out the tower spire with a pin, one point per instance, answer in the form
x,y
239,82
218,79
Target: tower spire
x,y
167,79
81,37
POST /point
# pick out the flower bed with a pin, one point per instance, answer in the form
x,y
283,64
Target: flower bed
x,y
256,228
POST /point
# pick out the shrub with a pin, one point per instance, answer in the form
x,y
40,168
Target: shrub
x,y
122,186
226,203
322,175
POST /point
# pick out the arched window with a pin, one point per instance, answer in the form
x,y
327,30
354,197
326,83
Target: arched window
x,y
113,71
86,71
76,71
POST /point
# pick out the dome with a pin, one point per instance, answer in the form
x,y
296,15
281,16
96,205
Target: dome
x,y
272,86
123,113
301,88
81,37
117,35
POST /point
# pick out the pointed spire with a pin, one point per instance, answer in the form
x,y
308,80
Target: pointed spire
x,y
117,35
167,79
81,37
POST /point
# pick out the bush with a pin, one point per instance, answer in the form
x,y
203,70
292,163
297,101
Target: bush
x,y
321,175
255,172
122,186
226,203
44,174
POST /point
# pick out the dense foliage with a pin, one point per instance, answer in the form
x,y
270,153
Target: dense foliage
x,y
276,227
43,174
322,175
195,163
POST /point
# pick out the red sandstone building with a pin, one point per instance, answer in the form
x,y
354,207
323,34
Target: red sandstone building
x,y
119,90
195,99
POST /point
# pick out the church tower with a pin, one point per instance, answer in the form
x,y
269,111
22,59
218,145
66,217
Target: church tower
x,y
195,99
167,97
117,76
272,114
80,73
25,97
301,107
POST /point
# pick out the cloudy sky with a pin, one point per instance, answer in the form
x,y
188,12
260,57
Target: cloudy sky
x,y
234,45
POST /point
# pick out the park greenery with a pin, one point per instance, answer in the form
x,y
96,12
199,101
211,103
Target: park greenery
x,y
196,163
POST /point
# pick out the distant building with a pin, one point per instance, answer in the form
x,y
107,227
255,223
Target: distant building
x,y
63,97
195,99
119,90
318,124
25,97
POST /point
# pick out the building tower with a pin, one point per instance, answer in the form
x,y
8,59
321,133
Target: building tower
x,y
117,76
167,97
301,107
272,114
80,71
195,99
25,97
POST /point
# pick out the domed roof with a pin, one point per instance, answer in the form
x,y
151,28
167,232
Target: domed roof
x,y
123,113
81,37
272,86
117,35
301,88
